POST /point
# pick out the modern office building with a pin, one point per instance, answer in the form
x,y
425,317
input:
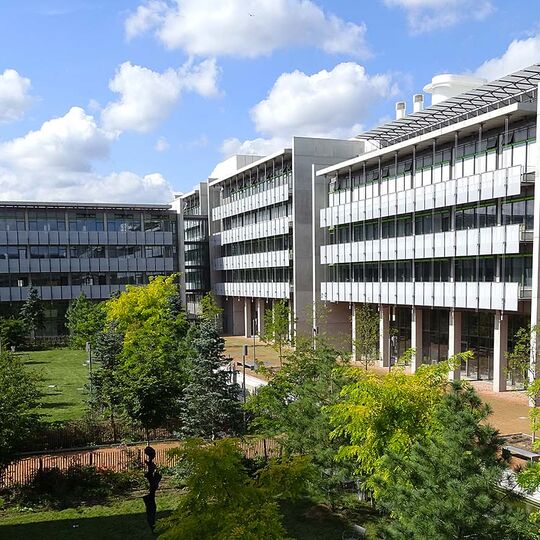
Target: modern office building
x,y
261,239
438,227
193,256
65,249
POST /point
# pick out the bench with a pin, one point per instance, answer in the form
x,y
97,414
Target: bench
x,y
515,451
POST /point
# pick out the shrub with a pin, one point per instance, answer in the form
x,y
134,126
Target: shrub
x,y
56,488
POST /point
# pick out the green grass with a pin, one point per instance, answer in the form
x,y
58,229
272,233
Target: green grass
x,y
121,519
127,520
66,369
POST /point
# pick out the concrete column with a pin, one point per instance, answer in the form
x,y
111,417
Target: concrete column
x,y
260,316
454,341
534,370
500,346
384,336
416,338
353,331
247,317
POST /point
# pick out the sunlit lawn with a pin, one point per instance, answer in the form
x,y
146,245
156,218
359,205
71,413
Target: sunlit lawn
x,y
65,374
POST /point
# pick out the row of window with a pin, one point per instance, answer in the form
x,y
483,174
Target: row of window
x,y
197,279
472,217
256,182
196,254
258,216
195,230
516,269
490,142
51,220
56,279
86,252
257,275
262,245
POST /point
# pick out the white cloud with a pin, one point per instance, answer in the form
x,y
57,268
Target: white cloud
x,y
257,147
162,145
518,55
55,163
14,95
146,17
326,104
428,15
246,28
148,97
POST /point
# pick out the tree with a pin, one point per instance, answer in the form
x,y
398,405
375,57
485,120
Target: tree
x,y
519,358
294,408
366,344
210,406
106,383
222,502
12,332
19,397
390,413
210,309
276,327
152,369
447,485
32,312
84,320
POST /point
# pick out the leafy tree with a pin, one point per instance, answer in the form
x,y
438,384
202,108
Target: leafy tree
x,y
84,320
19,397
153,354
380,414
210,407
32,312
519,358
222,502
293,407
366,344
276,327
447,485
106,384
210,309
12,332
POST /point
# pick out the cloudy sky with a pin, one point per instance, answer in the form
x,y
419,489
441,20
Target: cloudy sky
x,y
129,100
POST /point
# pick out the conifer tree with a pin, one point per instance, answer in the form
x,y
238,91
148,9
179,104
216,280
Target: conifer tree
x,y
32,312
210,405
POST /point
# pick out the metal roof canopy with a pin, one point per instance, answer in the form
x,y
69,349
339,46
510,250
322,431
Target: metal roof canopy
x,y
518,86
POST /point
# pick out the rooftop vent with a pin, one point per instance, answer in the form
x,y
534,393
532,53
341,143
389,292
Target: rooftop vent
x,y
401,109
447,85
418,102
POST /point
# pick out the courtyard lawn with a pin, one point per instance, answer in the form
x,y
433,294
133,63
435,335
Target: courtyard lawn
x,y
127,520
121,519
65,374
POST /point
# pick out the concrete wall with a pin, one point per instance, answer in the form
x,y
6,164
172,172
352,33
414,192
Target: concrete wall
x,y
307,154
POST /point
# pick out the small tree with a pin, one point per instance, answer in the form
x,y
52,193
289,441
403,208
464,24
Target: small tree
x,y
210,407
210,309
221,501
19,397
32,312
84,320
519,358
459,461
106,384
366,344
12,332
276,327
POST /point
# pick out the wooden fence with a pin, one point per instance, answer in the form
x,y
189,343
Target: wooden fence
x,y
120,458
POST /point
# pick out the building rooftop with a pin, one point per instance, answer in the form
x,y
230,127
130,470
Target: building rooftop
x,y
76,205
516,87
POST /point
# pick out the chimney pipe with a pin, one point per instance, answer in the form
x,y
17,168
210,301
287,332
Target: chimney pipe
x,y
418,102
401,110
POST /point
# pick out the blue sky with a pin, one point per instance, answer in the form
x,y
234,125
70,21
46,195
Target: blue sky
x,y
128,100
